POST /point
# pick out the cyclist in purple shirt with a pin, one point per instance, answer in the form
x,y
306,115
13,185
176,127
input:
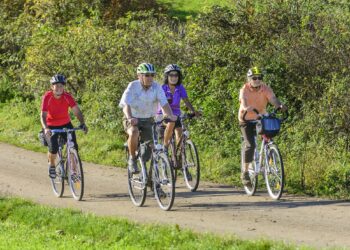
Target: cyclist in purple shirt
x,y
174,92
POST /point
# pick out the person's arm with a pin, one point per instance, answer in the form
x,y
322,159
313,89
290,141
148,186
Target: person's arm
x,y
77,112
127,112
168,112
46,129
274,100
244,102
190,107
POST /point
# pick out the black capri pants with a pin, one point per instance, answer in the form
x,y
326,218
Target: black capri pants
x,y
53,140
248,130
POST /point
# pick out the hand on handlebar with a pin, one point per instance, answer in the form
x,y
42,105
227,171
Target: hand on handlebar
x,y
283,108
83,127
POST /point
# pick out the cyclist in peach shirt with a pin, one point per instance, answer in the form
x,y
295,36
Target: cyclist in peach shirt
x,y
254,94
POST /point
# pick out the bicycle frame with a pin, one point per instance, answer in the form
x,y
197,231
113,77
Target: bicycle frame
x,y
69,144
184,135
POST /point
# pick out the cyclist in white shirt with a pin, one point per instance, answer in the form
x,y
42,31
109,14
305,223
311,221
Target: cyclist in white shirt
x,y
139,103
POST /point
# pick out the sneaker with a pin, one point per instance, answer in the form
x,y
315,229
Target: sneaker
x,y
132,164
52,172
246,179
161,193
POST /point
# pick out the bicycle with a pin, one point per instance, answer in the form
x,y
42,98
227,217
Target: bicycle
x,y
268,161
68,166
184,156
160,175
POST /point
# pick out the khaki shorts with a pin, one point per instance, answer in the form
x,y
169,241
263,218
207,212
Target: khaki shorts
x,y
144,125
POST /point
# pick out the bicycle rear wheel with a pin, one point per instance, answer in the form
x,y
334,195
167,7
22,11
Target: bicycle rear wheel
x,y
137,184
190,165
75,175
163,182
249,189
274,172
57,183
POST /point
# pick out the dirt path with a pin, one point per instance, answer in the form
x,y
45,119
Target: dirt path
x,y
213,208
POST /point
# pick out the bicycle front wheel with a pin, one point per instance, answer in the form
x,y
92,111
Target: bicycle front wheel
x,y
163,182
137,184
75,175
57,183
274,172
190,166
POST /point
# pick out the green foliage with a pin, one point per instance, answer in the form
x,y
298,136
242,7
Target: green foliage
x,y
303,47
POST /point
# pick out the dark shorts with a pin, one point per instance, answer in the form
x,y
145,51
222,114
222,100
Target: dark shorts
x,y
53,140
144,125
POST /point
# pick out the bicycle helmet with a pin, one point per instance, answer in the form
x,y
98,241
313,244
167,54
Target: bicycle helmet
x,y
145,68
58,78
254,71
172,67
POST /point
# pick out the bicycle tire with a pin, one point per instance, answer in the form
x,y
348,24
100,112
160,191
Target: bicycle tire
x,y
172,158
274,172
137,184
75,174
191,166
57,183
163,182
249,190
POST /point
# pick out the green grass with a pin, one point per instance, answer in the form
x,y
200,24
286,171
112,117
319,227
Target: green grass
x,y
183,8
24,225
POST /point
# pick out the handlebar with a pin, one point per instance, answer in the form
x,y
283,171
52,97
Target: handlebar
x,y
64,130
272,114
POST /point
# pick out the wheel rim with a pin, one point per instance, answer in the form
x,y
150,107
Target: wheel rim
x,y
163,183
58,182
274,173
137,185
190,166
75,176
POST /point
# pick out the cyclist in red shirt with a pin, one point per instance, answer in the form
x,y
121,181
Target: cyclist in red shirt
x,y
54,115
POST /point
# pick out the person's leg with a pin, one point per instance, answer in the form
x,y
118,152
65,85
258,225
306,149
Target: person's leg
x,y
248,132
168,133
133,140
52,154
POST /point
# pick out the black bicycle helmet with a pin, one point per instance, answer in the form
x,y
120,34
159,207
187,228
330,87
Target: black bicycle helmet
x,y
58,78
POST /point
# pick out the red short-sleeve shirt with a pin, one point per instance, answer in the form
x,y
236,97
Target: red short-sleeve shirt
x,y
57,109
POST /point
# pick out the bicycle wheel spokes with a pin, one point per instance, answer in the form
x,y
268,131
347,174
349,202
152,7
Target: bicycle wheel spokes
x,y
274,174
190,166
75,175
58,183
163,182
137,185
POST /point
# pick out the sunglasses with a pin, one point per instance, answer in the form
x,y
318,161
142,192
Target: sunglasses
x,y
149,75
174,75
257,78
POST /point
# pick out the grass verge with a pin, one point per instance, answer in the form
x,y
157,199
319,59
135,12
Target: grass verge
x,y
24,225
